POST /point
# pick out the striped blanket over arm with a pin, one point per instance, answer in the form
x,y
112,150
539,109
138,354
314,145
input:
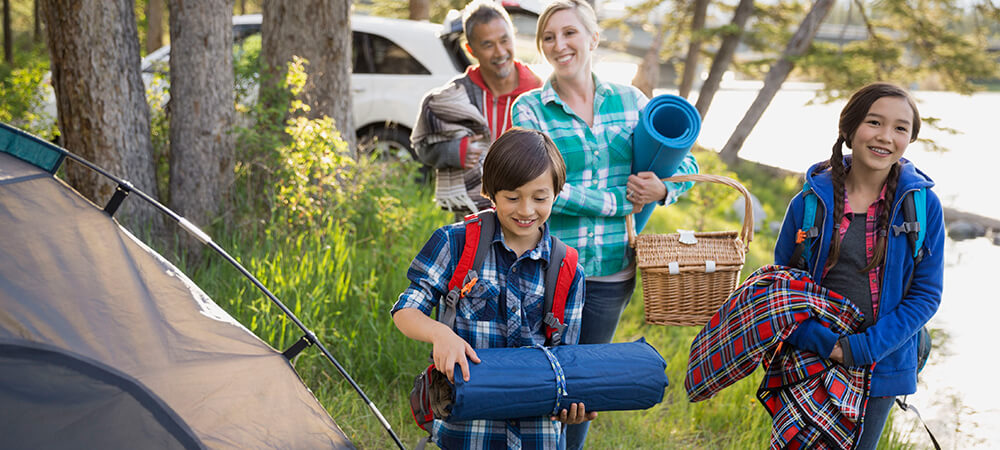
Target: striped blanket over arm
x,y
446,115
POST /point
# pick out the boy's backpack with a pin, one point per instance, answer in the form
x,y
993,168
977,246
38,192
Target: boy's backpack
x,y
559,275
914,216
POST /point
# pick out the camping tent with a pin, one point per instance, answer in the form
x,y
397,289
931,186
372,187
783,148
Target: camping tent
x,y
105,344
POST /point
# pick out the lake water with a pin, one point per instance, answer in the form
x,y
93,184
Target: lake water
x,y
957,395
793,135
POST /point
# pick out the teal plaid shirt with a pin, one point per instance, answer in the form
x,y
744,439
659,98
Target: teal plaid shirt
x,y
589,213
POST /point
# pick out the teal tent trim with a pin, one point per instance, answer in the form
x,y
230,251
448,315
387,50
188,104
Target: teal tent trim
x,y
30,148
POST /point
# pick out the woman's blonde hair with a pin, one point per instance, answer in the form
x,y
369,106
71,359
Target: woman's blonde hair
x,y
582,9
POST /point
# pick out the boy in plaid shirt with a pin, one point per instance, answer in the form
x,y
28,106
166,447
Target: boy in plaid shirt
x,y
522,175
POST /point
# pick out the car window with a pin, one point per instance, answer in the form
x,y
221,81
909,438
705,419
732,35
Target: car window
x,y
376,54
361,61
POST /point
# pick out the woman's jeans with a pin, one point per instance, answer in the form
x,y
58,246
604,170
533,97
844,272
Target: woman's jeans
x,y
603,304
876,414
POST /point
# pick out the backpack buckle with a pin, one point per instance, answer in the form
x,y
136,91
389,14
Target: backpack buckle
x,y
557,328
906,227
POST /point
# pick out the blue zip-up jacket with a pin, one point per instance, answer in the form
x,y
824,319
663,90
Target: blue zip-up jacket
x,y
892,341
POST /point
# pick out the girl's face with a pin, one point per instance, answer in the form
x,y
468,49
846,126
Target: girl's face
x,y
522,211
567,44
883,135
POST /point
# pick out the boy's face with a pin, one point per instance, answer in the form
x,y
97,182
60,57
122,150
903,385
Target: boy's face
x,y
522,211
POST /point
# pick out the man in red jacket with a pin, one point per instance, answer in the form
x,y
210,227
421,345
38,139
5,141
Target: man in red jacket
x,y
456,144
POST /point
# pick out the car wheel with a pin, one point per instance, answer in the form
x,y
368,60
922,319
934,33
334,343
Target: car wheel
x,y
386,142
391,143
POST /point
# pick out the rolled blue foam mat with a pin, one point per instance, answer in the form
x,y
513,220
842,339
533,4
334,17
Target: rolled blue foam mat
x,y
668,128
513,383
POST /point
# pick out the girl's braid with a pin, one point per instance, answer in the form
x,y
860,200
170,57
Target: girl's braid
x,y
839,173
883,218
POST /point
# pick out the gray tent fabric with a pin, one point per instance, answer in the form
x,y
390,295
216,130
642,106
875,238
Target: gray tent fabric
x,y
98,330
45,389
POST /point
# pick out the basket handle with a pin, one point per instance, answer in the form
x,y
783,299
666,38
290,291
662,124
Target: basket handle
x,y
746,234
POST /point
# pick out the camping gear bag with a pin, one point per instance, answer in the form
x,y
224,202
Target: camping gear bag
x,y
538,381
687,275
668,127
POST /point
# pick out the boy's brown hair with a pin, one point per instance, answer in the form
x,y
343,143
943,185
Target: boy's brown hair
x,y
519,156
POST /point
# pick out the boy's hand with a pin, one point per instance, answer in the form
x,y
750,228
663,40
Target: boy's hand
x,y
450,349
575,414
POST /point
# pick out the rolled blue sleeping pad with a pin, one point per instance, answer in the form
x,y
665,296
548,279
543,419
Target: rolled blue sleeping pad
x,y
512,383
668,128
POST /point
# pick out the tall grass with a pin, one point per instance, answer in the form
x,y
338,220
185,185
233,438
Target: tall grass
x,y
342,288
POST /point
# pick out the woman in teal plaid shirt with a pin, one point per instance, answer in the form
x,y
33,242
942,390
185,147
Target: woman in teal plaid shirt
x,y
591,122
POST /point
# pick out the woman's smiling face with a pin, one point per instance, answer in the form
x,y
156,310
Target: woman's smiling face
x,y
567,45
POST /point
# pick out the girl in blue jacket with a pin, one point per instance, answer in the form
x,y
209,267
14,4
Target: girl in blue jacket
x,y
858,254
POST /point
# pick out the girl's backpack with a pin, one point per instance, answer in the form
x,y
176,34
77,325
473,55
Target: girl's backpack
x,y
559,275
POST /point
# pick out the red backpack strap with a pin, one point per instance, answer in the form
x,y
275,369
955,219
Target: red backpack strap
x,y
559,277
472,227
479,230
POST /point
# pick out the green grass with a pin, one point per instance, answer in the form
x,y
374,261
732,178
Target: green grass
x,y
342,288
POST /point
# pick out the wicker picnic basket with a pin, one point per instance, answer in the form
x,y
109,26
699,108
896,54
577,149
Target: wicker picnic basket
x,y
685,283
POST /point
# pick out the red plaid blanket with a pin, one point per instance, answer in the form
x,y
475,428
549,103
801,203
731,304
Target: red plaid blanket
x,y
814,402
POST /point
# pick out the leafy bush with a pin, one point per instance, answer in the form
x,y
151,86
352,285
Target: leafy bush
x,y
22,93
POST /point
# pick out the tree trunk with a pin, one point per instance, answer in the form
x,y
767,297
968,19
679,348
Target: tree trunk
x,y
798,45
101,101
320,32
724,56
420,9
201,107
154,25
694,48
37,15
8,35
648,74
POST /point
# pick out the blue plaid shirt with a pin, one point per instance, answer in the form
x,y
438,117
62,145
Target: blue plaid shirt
x,y
503,309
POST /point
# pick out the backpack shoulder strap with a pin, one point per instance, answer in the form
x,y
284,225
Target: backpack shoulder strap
x,y
479,229
914,216
559,275
487,228
804,236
